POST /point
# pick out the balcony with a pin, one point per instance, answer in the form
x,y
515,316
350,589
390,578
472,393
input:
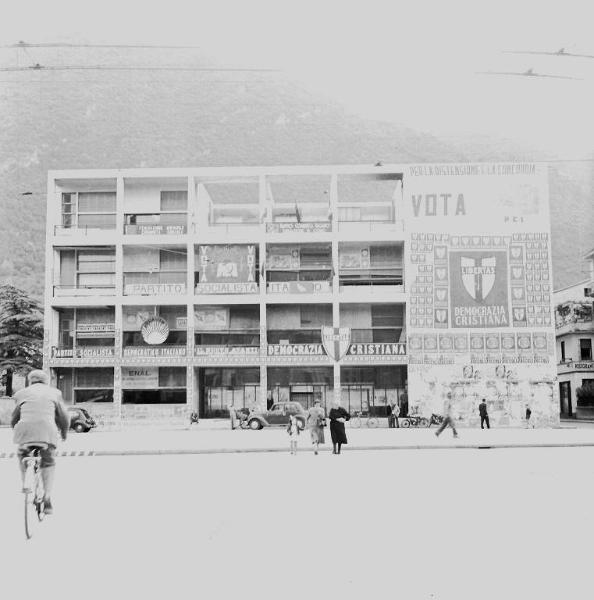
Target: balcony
x,y
162,223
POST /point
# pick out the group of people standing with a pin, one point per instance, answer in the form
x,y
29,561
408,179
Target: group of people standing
x,y
316,422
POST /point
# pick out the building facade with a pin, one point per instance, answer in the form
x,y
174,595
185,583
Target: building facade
x,y
574,327
171,291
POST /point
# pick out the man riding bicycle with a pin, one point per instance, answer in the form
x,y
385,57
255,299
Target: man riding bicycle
x,y
38,415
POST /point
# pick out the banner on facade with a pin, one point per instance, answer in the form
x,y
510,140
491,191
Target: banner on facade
x,y
155,229
296,350
227,351
298,287
384,349
227,264
91,330
140,378
288,227
154,289
155,351
211,319
282,258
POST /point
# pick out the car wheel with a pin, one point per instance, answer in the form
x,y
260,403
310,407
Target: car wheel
x,y
79,428
255,424
405,423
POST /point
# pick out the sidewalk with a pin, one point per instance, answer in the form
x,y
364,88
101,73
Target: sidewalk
x,y
210,438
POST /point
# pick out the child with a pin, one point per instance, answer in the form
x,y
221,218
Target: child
x,y
293,430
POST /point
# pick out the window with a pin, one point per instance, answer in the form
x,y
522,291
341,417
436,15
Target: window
x,y
562,351
95,268
177,201
585,349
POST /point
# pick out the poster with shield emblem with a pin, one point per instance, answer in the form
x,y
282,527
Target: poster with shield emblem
x,y
479,317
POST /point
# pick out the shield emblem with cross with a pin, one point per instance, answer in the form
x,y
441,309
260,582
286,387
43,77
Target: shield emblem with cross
x,y
336,341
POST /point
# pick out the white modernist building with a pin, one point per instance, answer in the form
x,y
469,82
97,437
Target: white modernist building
x,y
171,291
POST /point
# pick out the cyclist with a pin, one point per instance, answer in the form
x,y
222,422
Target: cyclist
x,y
38,415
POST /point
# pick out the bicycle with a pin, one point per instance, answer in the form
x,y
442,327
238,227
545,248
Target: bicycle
x,y
33,489
356,421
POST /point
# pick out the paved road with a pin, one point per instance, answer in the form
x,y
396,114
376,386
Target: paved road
x,y
480,524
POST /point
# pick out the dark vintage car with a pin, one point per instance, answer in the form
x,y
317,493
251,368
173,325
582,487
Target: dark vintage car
x,y
278,415
80,420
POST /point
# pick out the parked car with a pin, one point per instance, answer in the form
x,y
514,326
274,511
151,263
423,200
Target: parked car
x,y
278,415
80,420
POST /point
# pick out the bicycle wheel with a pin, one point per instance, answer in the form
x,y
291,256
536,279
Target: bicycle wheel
x,y
372,422
39,497
30,514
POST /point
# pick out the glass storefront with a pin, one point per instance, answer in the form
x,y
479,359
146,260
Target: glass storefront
x,y
299,384
221,387
370,390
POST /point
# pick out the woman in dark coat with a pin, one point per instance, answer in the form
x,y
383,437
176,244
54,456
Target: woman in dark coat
x,y
338,417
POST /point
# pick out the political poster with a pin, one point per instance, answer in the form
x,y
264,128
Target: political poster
x,y
479,317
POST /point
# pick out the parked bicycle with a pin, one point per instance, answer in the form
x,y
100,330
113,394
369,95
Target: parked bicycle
x,y
33,489
357,420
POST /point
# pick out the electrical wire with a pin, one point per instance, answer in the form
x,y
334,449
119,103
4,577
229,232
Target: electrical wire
x,y
38,67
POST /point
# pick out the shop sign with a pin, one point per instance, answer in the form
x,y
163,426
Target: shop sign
x,y
227,288
84,352
140,378
154,289
156,229
160,351
227,351
397,349
295,350
581,366
298,287
298,227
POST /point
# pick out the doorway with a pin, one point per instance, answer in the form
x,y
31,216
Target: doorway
x,y
566,408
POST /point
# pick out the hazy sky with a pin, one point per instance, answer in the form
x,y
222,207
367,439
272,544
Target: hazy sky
x,y
412,62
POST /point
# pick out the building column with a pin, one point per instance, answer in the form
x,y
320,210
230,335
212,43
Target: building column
x,y
335,275
263,356
191,397
117,365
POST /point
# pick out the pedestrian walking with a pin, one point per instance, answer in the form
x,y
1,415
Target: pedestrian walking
x,y
393,415
448,417
232,415
293,431
484,415
404,403
316,421
528,415
338,417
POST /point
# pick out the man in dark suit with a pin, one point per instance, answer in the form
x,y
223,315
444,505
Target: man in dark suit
x,y
484,415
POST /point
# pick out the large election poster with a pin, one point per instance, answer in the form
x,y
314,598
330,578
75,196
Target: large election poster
x,y
479,316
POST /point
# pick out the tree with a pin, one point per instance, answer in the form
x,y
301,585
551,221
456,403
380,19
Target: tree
x,y
21,333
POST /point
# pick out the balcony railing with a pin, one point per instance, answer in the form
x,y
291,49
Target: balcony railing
x,y
84,290
83,229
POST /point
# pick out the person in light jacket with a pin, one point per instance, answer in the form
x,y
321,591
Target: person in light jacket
x,y
38,416
315,422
